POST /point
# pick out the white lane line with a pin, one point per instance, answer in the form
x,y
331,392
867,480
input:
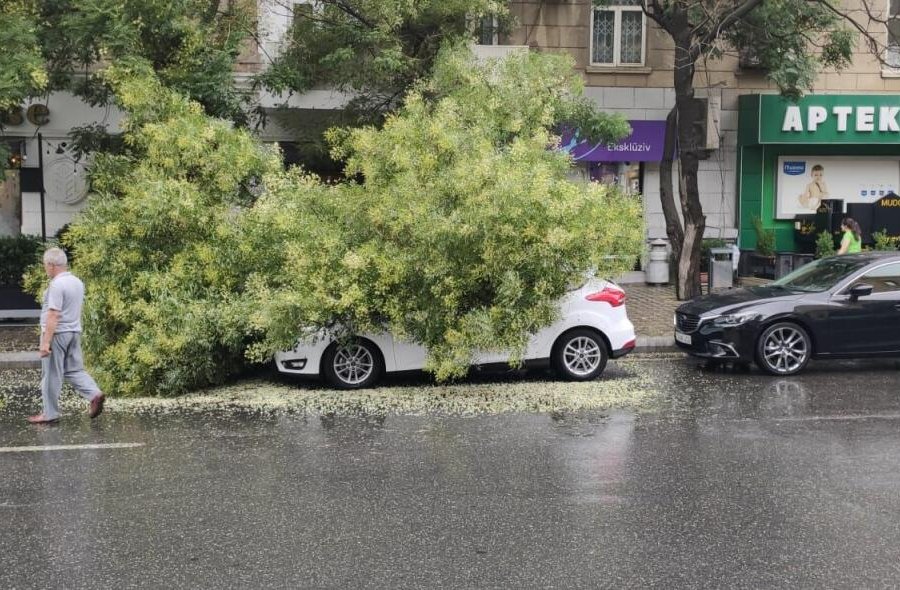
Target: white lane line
x,y
70,447
837,418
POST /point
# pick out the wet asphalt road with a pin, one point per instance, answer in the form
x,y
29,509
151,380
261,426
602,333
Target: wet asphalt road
x,y
732,481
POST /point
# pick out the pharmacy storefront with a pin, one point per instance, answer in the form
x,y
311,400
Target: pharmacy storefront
x,y
804,166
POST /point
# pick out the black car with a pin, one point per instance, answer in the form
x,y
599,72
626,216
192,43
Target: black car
x,y
840,307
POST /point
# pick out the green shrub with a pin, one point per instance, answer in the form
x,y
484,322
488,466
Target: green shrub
x,y
17,254
765,238
885,242
825,245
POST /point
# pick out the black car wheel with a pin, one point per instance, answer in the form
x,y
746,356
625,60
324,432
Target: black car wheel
x,y
580,355
352,365
783,349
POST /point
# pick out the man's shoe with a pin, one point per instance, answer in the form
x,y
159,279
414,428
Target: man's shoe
x,y
40,419
97,405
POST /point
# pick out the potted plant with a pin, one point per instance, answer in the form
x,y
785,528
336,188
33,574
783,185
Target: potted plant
x,y
883,241
763,258
805,235
825,245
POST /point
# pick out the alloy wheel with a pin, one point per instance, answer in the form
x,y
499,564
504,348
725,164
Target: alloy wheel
x,y
785,349
353,364
582,356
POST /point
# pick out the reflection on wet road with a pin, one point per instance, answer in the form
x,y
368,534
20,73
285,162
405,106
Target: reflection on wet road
x,y
730,480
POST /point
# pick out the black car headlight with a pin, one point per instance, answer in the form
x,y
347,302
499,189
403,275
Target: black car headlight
x,y
735,319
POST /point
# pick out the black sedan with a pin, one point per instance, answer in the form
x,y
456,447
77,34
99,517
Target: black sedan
x,y
841,307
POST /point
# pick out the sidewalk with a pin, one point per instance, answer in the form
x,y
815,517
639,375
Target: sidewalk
x,y
651,309
18,346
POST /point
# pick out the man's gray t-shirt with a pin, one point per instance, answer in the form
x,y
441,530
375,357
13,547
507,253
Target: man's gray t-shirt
x,y
65,295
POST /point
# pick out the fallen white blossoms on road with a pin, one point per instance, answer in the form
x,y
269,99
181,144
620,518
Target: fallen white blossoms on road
x,y
627,389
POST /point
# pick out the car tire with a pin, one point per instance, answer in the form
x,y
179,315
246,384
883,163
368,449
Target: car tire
x,y
580,355
354,364
783,349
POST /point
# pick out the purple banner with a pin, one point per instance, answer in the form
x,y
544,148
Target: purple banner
x,y
645,144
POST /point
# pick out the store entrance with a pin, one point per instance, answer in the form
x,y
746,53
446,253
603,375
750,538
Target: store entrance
x,y
10,203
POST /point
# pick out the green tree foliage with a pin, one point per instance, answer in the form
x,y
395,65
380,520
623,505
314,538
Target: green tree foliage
x,y
22,71
376,49
159,244
465,230
199,250
191,44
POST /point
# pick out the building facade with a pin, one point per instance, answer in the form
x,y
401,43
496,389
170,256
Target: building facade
x,y
45,181
628,62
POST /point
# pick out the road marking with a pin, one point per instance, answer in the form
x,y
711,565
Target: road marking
x,y
70,447
836,418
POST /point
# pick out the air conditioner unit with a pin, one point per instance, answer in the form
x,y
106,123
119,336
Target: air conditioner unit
x,y
748,59
708,128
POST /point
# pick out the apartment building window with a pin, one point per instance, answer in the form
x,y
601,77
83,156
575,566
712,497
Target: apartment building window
x,y
893,30
618,34
486,30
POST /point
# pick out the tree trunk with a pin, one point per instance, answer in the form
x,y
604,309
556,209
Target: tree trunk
x,y
667,194
690,124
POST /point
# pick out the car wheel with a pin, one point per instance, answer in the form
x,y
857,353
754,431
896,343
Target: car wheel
x,y
580,355
352,365
783,349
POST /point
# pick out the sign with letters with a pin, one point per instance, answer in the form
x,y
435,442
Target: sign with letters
x,y
37,114
645,144
830,119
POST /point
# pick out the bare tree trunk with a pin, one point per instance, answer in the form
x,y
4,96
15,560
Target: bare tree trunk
x,y
667,195
689,113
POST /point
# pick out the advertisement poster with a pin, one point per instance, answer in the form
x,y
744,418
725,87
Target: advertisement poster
x,y
804,181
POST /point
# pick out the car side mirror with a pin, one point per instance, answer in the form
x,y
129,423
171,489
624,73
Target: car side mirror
x,y
860,290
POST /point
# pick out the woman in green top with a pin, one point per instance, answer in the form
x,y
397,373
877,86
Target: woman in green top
x,y
852,240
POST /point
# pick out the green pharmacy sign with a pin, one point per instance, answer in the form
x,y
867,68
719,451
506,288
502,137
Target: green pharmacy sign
x,y
830,119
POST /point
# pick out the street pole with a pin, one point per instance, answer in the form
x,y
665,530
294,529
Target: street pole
x,y
41,167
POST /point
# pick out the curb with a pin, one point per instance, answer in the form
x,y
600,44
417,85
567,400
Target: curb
x,y
655,344
20,360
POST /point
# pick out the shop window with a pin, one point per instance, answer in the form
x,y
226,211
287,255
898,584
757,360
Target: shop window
x,y
618,34
892,56
624,175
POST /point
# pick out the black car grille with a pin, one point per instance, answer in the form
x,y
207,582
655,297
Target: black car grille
x,y
686,323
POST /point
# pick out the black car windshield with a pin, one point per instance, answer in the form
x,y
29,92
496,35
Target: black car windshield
x,y
820,275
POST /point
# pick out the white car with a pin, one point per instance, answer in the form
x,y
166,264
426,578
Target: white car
x,y
593,326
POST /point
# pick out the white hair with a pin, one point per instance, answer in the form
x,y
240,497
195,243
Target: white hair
x,y
56,257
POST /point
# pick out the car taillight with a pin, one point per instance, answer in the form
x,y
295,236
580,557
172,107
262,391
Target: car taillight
x,y
615,297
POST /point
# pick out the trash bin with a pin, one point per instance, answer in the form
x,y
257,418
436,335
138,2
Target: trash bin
x,y
784,264
721,269
658,264
802,259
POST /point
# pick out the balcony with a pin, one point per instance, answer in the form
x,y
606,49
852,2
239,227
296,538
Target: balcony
x,y
496,51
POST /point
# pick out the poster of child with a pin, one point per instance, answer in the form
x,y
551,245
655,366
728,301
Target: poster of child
x,y
816,190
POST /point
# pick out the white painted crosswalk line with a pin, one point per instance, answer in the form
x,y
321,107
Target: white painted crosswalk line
x,y
70,447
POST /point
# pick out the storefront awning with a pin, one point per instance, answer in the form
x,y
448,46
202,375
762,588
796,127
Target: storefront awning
x,y
645,144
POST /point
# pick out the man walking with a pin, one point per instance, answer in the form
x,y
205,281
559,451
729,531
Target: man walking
x,y
61,340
